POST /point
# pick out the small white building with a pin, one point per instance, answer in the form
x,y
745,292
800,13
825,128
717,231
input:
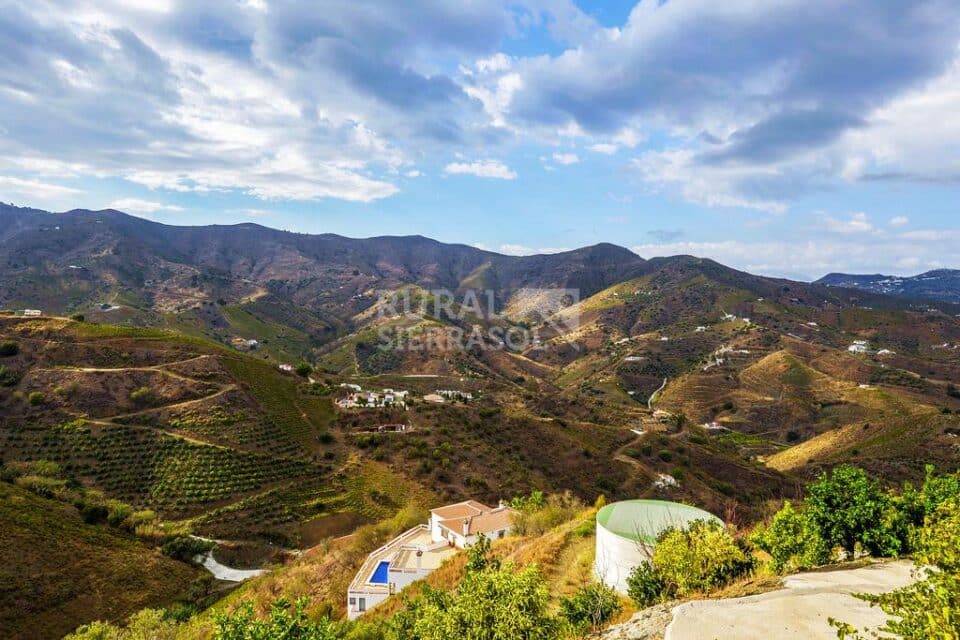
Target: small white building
x,y
859,346
286,367
32,313
414,554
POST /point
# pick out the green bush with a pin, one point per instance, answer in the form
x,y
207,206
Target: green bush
x,y
9,348
848,508
141,395
792,541
146,624
701,557
490,604
36,398
186,547
8,377
303,369
645,586
591,606
286,622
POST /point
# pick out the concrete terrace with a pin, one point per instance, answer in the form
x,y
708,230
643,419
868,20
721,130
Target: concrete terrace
x,y
402,554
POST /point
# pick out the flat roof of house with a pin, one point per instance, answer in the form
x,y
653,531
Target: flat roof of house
x,y
644,520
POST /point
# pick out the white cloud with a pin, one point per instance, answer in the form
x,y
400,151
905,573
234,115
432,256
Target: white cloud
x,y
566,158
481,169
27,188
136,205
521,250
604,147
899,221
856,223
812,258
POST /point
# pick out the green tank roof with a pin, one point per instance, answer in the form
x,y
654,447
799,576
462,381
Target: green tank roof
x,y
644,520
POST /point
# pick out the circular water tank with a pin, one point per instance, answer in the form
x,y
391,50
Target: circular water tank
x,y
627,532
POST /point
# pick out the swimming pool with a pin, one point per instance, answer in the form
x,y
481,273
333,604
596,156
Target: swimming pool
x,y
380,573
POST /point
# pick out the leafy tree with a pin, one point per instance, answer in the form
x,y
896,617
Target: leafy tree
x,y
792,541
591,606
36,398
928,609
699,558
847,507
9,348
645,585
491,604
303,369
147,624
285,622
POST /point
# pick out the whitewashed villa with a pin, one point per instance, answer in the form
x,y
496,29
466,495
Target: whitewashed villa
x,y
415,553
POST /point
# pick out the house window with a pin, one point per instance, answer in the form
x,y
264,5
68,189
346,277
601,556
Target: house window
x,y
363,604
353,602
500,535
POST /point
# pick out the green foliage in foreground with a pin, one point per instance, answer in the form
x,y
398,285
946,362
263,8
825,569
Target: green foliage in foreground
x,y
846,510
590,607
928,609
285,622
148,624
699,558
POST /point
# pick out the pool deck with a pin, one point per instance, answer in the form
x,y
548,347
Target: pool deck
x,y
402,554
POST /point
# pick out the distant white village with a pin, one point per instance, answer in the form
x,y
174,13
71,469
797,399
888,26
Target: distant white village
x,y
358,398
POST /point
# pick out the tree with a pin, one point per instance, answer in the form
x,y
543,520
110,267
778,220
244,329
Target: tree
x,y
489,605
928,609
645,586
146,624
591,606
699,558
303,369
8,348
847,507
285,622
792,541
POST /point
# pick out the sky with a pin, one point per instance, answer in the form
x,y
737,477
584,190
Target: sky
x,y
784,137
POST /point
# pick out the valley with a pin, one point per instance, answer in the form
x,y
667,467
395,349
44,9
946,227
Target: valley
x,y
204,397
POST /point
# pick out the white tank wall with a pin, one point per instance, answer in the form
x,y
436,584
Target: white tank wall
x,y
616,557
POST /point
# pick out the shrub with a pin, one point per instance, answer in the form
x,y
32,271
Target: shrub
x,y
141,395
36,398
489,604
846,507
699,558
645,586
538,514
591,606
146,623
9,348
186,547
792,541
303,369
285,621
78,317
8,377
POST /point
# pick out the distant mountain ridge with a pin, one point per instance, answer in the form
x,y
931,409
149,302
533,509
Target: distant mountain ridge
x,y
940,284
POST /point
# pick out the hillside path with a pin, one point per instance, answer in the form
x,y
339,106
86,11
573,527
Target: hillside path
x,y
799,611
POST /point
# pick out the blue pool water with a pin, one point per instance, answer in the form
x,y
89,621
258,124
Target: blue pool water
x,y
380,574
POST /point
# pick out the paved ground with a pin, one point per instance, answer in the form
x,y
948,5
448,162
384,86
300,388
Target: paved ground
x,y
797,612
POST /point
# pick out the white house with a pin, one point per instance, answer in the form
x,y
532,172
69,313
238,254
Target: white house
x,y
414,554
32,313
859,346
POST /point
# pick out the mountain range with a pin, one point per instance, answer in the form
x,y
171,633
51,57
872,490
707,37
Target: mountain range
x,y
161,398
940,284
